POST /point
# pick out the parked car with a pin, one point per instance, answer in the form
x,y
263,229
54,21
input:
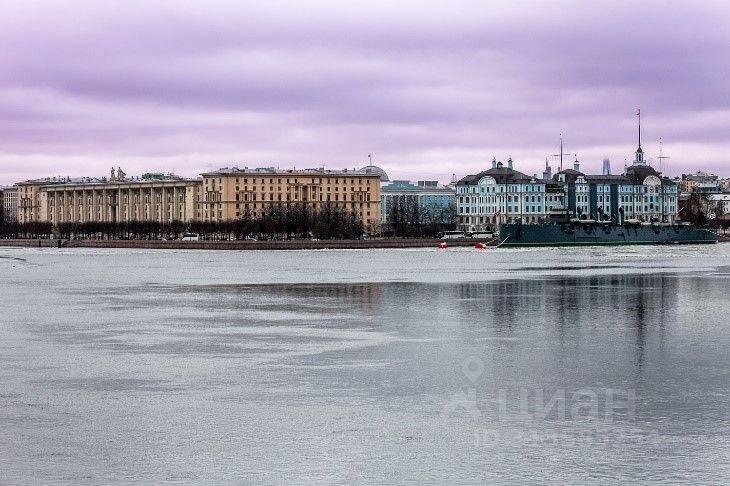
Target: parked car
x,y
190,237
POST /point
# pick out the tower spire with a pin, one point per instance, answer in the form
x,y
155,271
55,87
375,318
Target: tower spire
x,y
639,153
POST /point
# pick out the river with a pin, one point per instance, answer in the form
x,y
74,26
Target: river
x,y
531,366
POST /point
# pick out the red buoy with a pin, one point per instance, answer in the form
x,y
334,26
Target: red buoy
x,y
480,246
443,245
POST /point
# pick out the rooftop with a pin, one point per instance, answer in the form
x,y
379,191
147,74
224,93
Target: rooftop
x,y
148,178
304,172
374,169
503,175
421,187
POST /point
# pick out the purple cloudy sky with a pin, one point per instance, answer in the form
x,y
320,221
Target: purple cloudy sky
x,y
431,88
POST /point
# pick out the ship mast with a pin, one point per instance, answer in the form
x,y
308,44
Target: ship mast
x,y
661,157
661,168
560,154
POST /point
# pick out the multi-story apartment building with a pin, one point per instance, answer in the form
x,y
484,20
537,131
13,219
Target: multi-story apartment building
x,y
230,193
156,197
434,201
10,203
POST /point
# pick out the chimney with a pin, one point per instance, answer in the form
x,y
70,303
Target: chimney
x,y
494,163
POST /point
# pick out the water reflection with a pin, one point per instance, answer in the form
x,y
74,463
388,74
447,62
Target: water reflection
x,y
146,378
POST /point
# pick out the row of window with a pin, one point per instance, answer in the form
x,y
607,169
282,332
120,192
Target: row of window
x,y
277,180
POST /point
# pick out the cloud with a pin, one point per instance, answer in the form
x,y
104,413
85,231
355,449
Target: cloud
x,y
433,88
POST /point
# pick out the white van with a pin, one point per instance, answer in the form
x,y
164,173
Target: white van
x,y
190,237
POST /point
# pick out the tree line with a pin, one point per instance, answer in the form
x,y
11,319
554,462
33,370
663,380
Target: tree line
x,y
407,218
292,222
13,229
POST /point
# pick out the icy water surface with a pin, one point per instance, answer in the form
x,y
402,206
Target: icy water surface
x,y
374,366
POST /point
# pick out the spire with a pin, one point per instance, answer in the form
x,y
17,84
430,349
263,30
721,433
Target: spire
x,y
639,153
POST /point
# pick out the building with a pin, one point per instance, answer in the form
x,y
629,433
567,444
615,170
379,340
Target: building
x,y
718,204
230,193
374,169
156,197
725,185
501,195
9,203
435,202
700,182
505,195
639,193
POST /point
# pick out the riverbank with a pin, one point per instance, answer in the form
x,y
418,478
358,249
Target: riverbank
x,y
258,245
245,245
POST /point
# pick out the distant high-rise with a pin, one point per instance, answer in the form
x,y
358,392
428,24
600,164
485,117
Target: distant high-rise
x,y
606,167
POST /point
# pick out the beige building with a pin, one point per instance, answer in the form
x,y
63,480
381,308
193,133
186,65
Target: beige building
x,y
231,193
154,197
10,203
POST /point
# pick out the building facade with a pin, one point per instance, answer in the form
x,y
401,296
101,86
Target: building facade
x,y
641,193
505,195
501,195
152,197
435,202
700,182
718,204
10,203
231,193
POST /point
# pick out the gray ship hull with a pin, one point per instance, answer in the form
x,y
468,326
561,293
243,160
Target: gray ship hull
x,y
587,234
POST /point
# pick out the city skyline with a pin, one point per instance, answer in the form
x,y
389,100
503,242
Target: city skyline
x,y
430,88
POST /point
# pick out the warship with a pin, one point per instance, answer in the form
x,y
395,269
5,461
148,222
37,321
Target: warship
x,y
590,232
601,219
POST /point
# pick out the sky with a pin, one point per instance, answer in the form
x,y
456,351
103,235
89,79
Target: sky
x,y
430,89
